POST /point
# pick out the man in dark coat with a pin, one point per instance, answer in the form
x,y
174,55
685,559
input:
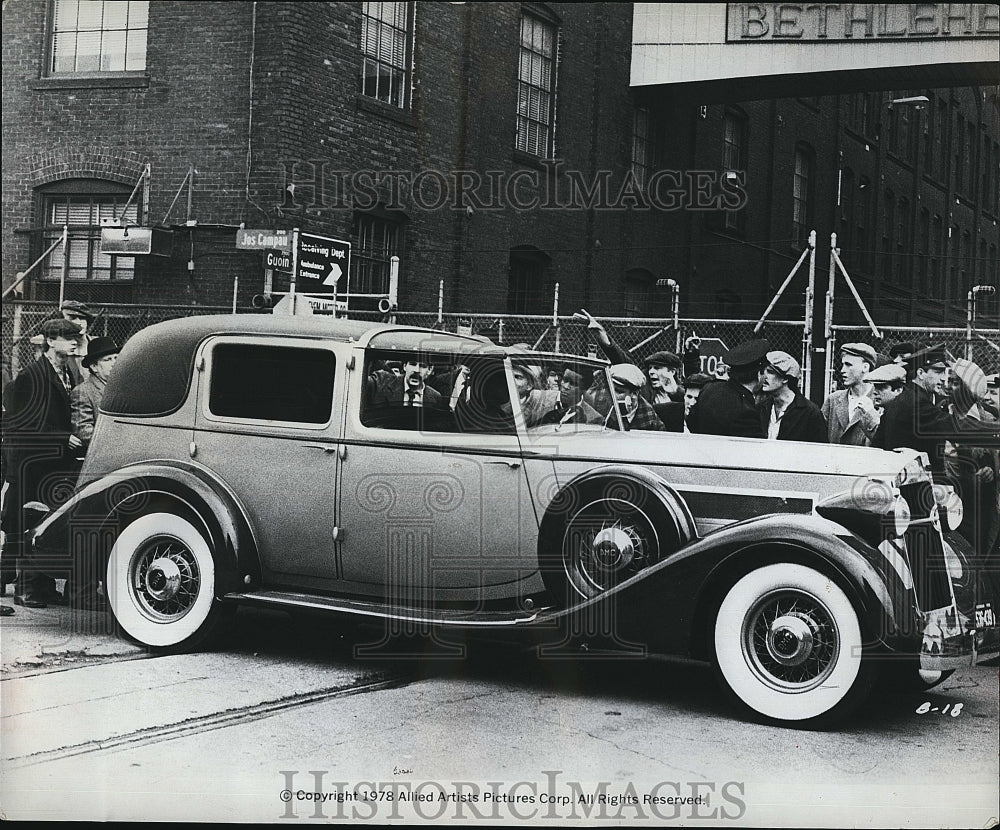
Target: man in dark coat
x,y
39,445
728,407
913,420
786,414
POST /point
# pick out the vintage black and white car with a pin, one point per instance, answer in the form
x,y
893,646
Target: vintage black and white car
x,y
275,460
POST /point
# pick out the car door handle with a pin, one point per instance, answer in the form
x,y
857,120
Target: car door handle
x,y
327,448
510,463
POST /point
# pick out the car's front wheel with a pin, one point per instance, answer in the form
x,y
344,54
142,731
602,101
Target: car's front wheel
x,y
788,645
161,583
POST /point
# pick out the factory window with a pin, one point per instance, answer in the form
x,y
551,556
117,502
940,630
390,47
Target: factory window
x,y
643,145
386,43
378,243
98,36
734,160
802,196
536,87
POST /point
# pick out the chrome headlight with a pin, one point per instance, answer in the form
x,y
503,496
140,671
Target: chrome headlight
x,y
900,515
950,504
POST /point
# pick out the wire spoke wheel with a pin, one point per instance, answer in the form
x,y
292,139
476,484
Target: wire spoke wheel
x,y
788,645
161,582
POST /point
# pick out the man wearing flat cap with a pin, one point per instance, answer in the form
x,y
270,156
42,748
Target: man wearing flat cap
x,y
728,407
786,414
39,447
79,313
850,412
912,420
887,383
628,381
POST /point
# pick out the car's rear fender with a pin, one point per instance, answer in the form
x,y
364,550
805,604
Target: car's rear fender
x,y
88,524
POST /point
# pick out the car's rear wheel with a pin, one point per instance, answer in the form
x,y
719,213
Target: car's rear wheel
x,y
788,645
161,583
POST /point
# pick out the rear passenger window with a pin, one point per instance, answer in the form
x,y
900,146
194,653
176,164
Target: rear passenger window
x,y
271,383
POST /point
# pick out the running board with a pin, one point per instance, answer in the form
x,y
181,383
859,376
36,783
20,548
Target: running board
x,y
367,608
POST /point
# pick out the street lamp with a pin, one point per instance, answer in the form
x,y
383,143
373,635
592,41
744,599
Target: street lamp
x,y
970,314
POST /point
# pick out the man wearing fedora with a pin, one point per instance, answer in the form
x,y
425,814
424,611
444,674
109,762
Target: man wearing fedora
x,y
850,412
85,399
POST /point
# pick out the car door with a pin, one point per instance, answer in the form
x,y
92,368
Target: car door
x,y
267,425
433,505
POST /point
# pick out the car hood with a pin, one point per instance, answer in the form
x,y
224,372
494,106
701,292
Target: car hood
x,y
750,454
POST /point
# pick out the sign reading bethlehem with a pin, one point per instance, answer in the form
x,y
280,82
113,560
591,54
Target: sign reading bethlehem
x,y
760,22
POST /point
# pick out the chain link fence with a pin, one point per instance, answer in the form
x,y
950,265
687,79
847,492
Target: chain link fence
x,y
566,335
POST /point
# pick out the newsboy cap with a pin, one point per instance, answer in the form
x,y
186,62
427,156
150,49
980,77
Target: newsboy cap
x,y
784,364
889,373
76,307
97,348
628,374
902,352
60,328
862,350
747,354
668,359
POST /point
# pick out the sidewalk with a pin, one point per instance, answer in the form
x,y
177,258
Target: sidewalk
x,y
56,637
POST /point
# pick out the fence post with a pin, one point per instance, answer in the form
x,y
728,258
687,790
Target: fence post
x,y
15,348
555,314
828,323
808,327
65,265
440,302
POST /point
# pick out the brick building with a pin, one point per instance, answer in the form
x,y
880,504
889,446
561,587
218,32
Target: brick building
x,y
497,147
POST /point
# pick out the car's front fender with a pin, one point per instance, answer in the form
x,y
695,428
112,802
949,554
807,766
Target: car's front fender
x,y
669,607
84,529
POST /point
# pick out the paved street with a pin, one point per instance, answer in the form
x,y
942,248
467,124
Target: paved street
x,y
498,737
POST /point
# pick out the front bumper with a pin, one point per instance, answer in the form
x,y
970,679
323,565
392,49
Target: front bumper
x,y
952,640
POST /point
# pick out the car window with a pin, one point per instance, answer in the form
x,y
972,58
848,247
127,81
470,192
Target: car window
x,y
271,383
435,392
562,390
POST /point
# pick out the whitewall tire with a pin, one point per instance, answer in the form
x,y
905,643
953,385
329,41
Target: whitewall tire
x,y
161,582
788,645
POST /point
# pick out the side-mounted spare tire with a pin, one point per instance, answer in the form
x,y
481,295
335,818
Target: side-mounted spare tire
x,y
605,528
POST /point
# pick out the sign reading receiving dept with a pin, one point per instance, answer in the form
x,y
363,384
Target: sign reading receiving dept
x,y
321,263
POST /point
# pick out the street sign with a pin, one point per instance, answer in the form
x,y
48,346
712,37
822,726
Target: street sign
x,y
712,350
278,261
261,239
321,263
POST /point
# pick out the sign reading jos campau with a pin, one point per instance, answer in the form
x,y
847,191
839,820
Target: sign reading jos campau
x,y
321,263
825,22
261,239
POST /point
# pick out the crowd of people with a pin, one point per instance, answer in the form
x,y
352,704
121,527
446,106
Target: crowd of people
x,y
49,413
920,398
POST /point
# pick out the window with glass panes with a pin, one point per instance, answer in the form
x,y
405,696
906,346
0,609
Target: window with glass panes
x,y
536,87
378,242
734,157
385,44
802,182
98,36
83,214
643,145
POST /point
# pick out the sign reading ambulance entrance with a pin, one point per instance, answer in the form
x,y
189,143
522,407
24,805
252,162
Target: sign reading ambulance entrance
x,y
321,263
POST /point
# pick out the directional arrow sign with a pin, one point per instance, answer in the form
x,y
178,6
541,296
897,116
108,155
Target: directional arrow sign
x,y
321,262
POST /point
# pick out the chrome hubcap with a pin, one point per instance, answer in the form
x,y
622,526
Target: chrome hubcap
x,y
613,548
791,640
164,579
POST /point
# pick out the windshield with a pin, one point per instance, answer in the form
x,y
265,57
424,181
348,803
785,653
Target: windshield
x,y
560,391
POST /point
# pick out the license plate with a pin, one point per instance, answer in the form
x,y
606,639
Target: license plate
x,y
985,616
